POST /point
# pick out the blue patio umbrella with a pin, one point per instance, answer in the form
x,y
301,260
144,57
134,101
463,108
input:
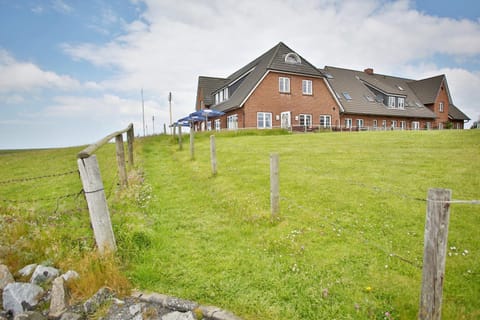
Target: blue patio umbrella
x,y
207,113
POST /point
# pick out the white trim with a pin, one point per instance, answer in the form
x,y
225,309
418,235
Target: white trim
x,y
240,77
333,94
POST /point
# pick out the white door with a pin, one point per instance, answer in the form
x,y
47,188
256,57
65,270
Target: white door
x,y
286,120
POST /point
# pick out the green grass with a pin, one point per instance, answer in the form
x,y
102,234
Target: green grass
x,y
348,243
350,219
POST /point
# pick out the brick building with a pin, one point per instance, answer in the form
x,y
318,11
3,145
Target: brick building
x,y
280,89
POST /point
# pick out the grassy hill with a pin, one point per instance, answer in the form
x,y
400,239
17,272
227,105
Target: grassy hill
x,y
348,243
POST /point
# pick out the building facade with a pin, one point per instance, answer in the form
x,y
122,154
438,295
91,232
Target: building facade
x,y
280,89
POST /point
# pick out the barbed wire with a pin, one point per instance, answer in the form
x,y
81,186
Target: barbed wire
x,y
38,177
68,195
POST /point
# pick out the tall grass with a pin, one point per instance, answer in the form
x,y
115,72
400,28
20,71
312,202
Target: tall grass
x,y
349,241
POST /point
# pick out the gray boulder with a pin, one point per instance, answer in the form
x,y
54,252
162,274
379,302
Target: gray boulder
x,y
176,315
59,299
19,297
27,270
5,276
43,274
99,298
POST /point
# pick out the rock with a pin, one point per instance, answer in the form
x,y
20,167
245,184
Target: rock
x,y
224,315
99,298
19,297
5,276
180,304
70,275
176,315
71,316
29,315
59,298
27,270
44,274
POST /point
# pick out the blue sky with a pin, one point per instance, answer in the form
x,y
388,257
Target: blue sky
x,y
71,71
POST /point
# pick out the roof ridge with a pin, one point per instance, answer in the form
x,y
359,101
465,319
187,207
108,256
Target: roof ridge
x,y
277,47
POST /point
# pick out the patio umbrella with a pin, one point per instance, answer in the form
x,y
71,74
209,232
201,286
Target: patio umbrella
x,y
207,113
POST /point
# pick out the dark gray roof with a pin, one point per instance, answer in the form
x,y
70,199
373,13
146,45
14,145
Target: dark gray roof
x,y
207,85
427,89
253,72
456,114
357,84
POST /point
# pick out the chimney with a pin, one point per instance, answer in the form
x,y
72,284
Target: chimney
x,y
368,71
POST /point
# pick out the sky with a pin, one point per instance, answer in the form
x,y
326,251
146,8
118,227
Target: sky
x,y
72,72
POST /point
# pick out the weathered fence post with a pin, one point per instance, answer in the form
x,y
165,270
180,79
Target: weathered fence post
x,y
122,170
180,142
274,185
97,204
436,233
164,128
192,146
130,138
213,155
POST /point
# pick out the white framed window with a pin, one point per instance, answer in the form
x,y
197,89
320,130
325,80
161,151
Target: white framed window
x,y
401,103
217,124
415,125
264,120
375,123
305,120
348,123
384,124
325,121
307,87
440,126
209,125
284,85
394,124
429,125
232,122
440,107
391,102
403,125
359,123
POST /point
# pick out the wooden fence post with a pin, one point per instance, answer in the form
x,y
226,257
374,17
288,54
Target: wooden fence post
x,y
180,142
213,155
274,185
164,128
436,233
122,170
97,204
192,146
130,138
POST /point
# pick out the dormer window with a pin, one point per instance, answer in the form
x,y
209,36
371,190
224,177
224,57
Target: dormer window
x,y
221,96
391,102
292,58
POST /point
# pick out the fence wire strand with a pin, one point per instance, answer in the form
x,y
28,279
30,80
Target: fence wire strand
x,y
38,177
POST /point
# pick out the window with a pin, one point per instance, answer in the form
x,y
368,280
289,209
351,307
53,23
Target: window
x,y
284,85
394,124
209,125
440,126
307,87
359,123
292,58
325,121
221,95
264,120
217,125
305,120
440,107
232,122
403,125
429,125
375,124
391,102
369,98
400,88
401,103
347,95
384,124
348,123
415,125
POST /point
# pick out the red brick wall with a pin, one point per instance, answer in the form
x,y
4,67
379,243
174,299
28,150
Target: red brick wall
x,y
267,98
442,117
368,122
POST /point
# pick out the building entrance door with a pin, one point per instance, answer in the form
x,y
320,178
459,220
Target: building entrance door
x,y
286,120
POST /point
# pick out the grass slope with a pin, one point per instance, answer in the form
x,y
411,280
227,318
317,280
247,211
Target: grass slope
x,y
349,241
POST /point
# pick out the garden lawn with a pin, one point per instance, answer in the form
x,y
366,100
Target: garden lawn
x,y
348,243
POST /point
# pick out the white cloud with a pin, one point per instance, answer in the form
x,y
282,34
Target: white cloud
x,y
61,6
25,76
